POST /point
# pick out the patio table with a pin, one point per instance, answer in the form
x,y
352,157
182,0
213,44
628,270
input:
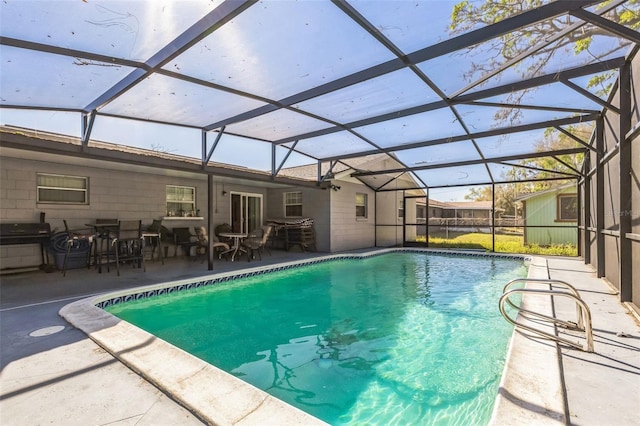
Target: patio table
x,y
237,236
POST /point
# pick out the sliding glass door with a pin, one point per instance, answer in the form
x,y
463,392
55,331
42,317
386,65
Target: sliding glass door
x,y
246,211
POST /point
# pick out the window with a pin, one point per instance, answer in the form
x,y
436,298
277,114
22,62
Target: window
x,y
361,205
293,204
567,208
181,201
59,189
401,209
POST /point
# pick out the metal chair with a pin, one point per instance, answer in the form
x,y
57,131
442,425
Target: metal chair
x,y
222,228
183,238
253,243
105,233
78,239
153,234
129,244
203,244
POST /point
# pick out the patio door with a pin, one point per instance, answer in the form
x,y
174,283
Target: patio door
x,y
246,211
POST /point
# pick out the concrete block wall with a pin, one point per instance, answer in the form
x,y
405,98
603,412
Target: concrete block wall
x,y
119,194
127,192
315,204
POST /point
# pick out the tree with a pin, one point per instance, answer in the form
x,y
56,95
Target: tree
x,y
505,196
468,15
549,166
532,169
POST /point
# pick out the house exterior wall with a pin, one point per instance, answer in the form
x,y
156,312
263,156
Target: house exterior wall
x,y
446,213
127,194
389,224
436,212
316,204
483,214
347,231
542,211
410,212
113,193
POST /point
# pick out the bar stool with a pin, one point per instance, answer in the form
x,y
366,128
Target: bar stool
x,y
105,233
153,234
129,244
77,238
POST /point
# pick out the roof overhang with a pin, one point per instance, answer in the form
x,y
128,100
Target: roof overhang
x,y
65,150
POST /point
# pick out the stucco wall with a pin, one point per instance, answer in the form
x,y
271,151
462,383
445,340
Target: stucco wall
x,y
124,194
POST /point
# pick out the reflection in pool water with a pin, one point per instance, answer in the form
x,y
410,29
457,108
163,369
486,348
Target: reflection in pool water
x,y
401,338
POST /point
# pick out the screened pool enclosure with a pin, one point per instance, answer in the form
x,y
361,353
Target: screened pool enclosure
x,y
500,101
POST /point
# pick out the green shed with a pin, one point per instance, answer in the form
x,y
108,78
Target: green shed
x,y
554,215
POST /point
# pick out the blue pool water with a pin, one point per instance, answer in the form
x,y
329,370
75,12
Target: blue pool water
x,y
400,338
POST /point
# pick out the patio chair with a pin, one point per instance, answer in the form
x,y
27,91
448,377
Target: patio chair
x,y
78,240
203,244
265,239
222,228
184,239
263,243
253,243
105,233
153,235
129,244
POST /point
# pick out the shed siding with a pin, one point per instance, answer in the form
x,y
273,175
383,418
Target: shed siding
x,y
542,211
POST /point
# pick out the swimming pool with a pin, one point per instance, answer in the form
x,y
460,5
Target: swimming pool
x,y
414,351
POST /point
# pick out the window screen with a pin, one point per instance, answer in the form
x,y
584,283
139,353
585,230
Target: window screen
x,y
181,201
59,189
567,208
361,205
293,204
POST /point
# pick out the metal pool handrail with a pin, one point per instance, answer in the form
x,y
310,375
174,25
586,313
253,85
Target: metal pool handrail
x,y
584,314
552,283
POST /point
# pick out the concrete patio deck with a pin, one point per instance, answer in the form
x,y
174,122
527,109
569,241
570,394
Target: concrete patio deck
x,y
59,376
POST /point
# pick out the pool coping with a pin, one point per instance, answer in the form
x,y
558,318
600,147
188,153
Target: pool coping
x,y
188,380
531,388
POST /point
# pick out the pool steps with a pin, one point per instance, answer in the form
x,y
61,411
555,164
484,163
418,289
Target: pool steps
x,y
582,323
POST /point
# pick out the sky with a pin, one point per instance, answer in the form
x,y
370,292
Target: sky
x,y
104,27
